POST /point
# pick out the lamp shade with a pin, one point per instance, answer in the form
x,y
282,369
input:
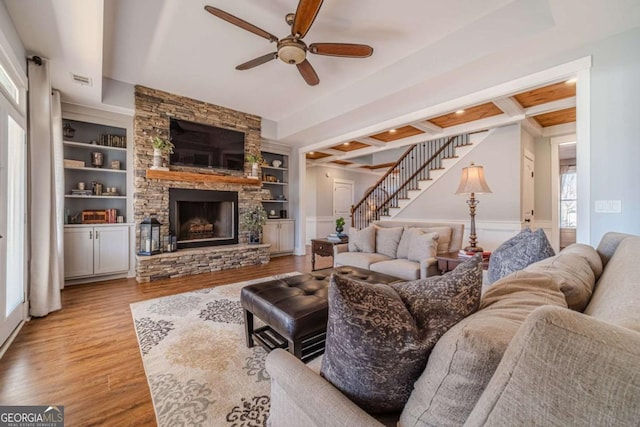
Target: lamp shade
x,y
472,181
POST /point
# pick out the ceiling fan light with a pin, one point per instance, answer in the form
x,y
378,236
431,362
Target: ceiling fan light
x,y
291,54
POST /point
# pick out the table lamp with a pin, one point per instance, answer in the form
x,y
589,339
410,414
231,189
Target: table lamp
x,y
472,182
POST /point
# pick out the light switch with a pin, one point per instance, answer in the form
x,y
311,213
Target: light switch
x,y
608,206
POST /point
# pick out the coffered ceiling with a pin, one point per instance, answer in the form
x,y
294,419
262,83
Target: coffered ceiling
x,y
540,107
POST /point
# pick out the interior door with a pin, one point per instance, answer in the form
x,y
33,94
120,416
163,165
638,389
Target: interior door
x,y
528,188
13,189
343,200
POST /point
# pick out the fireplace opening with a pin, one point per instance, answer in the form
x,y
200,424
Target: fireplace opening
x,y
203,217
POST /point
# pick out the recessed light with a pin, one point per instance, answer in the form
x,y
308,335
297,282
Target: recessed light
x,y
311,153
393,130
346,143
571,81
459,111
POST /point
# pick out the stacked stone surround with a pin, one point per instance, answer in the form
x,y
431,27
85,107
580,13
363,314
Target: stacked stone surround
x,y
153,111
199,260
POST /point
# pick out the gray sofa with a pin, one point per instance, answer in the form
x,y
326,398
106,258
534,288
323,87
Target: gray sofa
x,y
450,240
557,366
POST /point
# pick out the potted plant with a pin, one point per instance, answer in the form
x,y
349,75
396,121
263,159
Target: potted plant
x,y
160,147
255,159
253,220
340,225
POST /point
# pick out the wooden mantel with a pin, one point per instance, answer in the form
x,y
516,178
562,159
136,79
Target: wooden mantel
x,y
200,177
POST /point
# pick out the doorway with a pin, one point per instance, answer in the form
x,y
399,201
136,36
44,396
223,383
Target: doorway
x,y
343,200
564,191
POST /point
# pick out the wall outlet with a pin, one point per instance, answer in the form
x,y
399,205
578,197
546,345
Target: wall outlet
x,y
608,206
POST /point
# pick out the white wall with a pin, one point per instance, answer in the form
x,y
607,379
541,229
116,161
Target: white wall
x,y
319,196
499,154
10,41
615,133
498,213
542,170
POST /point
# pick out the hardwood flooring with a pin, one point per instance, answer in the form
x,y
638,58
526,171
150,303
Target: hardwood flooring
x,y
86,355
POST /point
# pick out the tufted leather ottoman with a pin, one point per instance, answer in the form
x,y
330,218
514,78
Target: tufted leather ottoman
x,y
295,309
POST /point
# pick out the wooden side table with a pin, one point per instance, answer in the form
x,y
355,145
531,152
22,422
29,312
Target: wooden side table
x,y
450,260
322,247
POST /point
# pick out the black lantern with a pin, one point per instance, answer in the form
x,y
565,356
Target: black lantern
x,y
149,237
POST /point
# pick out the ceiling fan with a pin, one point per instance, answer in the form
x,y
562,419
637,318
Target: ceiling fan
x,y
291,49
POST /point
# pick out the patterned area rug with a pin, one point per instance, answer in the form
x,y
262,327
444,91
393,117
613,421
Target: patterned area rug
x,y
199,369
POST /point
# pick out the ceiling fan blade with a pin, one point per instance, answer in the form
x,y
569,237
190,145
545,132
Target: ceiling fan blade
x,y
257,61
305,15
308,73
348,50
240,23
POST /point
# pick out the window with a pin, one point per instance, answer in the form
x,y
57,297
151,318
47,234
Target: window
x,y
9,85
568,197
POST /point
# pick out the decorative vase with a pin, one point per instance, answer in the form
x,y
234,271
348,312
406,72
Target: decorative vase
x,y
157,160
254,170
339,230
254,238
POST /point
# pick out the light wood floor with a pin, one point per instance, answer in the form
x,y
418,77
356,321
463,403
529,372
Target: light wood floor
x,y
86,355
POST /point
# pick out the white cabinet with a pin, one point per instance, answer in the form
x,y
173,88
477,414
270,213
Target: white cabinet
x,y
95,250
280,234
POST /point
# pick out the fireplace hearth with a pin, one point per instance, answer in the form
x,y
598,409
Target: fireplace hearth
x,y
203,217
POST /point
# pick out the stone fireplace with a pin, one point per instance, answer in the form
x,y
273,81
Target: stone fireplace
x,y
153,192
203,217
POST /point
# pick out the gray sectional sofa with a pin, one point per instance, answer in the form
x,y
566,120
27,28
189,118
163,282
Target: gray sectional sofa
x,y
556,344
396,262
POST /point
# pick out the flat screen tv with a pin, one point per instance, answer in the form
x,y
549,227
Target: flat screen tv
x,y
206,146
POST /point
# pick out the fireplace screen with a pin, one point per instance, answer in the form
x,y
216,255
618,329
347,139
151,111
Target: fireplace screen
x,y
203,217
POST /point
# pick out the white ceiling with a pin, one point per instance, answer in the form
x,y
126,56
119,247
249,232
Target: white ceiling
x,y
176,46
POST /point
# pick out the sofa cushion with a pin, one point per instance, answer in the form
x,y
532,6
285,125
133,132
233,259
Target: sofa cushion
x,y
464,358
405,241
444,237
574,273
362,240
523,249
375,348
616,298
423,246
359,259
401,268
387,240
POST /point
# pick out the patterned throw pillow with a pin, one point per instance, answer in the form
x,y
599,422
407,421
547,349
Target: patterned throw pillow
x,y
379,337
362,240
523,249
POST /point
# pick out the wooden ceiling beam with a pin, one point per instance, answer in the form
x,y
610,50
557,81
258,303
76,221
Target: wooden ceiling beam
x,y
561,104
427,127
510,106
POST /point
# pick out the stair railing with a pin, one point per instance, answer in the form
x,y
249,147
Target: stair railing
x,y
411,168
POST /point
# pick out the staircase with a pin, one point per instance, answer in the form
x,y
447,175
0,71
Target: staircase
x,y
412,174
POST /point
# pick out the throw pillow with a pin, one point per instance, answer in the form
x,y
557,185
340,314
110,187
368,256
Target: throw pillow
x,y
405,241
523,249
423,246
464,359
378,339
387,240
439,302
576,269
362,240
444,240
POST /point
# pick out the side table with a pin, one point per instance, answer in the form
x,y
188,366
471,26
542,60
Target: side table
x,y
322,247
450,260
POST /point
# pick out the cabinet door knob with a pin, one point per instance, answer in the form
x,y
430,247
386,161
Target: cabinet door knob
x,y
90,235
97,235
